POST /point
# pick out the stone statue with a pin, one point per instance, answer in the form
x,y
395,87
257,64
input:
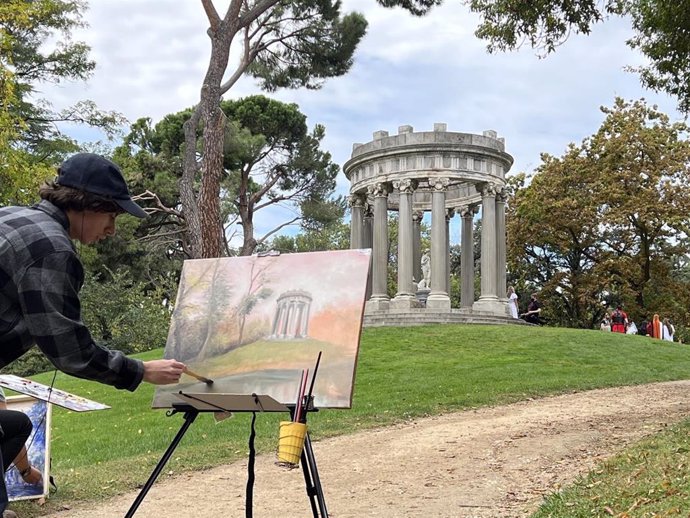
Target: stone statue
x,y
425,283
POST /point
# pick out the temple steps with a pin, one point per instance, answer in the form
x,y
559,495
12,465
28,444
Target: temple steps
x,y
422,316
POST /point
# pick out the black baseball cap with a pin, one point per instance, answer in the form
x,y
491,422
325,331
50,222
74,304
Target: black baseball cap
x,y
93,173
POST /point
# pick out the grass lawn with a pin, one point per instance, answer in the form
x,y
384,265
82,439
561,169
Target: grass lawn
x,y
402,373
650,479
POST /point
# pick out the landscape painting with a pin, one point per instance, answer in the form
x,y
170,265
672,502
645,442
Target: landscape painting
x,y
253,324
38,448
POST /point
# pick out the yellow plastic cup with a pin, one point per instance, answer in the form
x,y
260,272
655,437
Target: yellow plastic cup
x,y
291,441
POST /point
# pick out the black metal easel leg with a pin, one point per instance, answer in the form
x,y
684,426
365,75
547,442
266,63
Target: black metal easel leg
x,y
189,417
311,478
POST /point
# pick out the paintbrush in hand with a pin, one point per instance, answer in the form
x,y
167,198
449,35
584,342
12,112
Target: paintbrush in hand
x,y
197,376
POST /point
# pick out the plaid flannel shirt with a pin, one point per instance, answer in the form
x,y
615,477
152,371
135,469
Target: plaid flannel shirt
x,y
40,279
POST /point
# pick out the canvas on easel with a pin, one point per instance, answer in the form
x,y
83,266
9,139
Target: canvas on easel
x,y
252,324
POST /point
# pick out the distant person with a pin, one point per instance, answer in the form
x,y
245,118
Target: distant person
x,y
667,330
533,310
656,327
619,320
513,302
642,330
632,328
605,325
41,276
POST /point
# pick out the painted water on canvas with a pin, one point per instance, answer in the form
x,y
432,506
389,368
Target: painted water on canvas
x,y
38,448
252,324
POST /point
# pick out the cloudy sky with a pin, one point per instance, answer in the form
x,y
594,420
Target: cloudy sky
x,y
151,57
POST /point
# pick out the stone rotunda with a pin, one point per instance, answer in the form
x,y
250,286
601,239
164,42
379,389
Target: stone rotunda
x,y
444,173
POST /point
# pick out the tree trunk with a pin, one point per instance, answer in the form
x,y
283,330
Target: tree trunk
x,y
190,207
205,228
209,194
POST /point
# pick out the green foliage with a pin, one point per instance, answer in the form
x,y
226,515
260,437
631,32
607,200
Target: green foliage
x,y
415,7
601,225
316,44
35,48
269,158
335,236
545,24
33,362
661,34
123,314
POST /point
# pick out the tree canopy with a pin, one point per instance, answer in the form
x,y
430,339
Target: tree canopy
x,y
607,222
270,158
36,48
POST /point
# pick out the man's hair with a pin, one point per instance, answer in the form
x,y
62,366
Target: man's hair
x,y
67,198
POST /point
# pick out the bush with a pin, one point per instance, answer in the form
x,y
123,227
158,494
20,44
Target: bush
x,y
31,363
124,315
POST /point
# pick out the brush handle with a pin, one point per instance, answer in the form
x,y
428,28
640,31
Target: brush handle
x,y
197,376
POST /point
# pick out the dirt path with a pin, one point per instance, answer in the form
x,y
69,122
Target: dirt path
x,y
493,462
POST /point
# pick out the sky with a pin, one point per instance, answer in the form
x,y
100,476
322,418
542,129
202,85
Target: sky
x,y
151,58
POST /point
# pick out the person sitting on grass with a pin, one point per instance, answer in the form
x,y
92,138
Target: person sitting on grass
x,y
40,279
533,311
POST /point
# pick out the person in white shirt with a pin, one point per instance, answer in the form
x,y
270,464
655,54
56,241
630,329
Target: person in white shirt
x,y
667,330
513,302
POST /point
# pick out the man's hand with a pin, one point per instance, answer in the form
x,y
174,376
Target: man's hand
x,y
33,476
163,372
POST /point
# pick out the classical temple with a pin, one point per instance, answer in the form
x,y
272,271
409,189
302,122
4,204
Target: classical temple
x,y
291,318
447,174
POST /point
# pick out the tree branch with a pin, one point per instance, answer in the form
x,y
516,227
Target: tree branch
x,y
211,14
269,234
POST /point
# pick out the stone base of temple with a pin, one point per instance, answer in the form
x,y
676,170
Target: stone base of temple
x,y
491,305
438,301
405,302
377,304
423,316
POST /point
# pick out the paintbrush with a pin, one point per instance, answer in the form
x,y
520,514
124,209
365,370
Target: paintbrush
x,y
197,376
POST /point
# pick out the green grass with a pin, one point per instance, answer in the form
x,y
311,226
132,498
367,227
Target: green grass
x,y
402,373
651,479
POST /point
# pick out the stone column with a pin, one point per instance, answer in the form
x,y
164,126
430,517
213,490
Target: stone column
x,y
368,241
438,298
379,293
501,244
405,297
488,301
417,217
467,256
356,202
449,216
